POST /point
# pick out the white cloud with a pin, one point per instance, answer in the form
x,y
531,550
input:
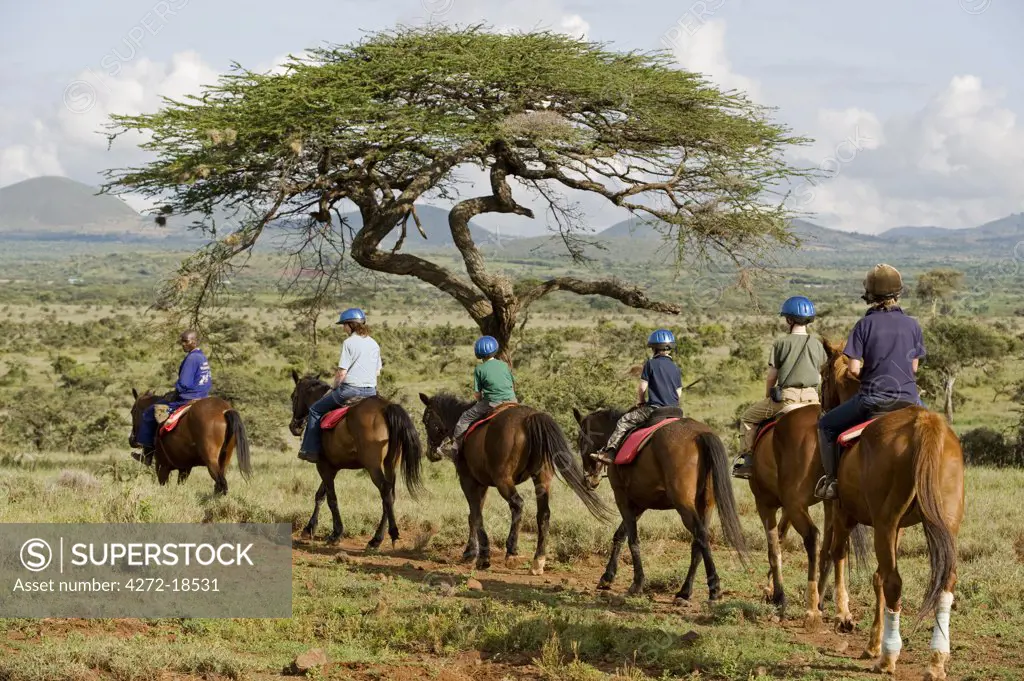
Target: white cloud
x,y
957,162
701,48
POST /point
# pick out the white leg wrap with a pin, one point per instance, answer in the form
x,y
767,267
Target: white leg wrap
x,y
940,633
891,641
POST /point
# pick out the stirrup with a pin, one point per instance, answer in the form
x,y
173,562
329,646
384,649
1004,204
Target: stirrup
x,y
604,456
827,488
743,466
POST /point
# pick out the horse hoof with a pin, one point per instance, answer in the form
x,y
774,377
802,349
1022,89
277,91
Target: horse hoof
x,y
306,535
936,667
681,598
334,539
512,561
715,596
812,620
483,563
886,664
845,626
636,590
537,568
373,547
468,557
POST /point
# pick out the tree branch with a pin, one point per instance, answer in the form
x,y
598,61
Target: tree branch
x,y
610,288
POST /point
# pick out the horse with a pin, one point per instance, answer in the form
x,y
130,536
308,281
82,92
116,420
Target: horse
x,y
906,468
684,466
377,436
206,435
516,444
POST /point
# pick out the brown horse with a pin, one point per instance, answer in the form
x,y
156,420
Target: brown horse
x,y
684,466
206,435
377,436
906,468
517,444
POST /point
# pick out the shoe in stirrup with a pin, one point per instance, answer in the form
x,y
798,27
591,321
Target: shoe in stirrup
x,y
743,467
311,457
448,448
605,456
827,488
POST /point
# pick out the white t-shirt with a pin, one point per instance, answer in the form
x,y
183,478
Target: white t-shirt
x,y
360,356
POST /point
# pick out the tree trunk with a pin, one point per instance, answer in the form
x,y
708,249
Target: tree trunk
x,y
950,381
501,324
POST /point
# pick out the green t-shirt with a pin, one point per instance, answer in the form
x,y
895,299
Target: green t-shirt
x,y
493,380
799,368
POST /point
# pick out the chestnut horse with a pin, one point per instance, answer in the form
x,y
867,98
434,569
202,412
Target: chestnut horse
x,y
207,434
906,468
684,466
377,436
518,443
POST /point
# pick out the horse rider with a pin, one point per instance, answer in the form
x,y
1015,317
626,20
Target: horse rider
x,y
661,384
194,383
493,384
354,377
793,377
884,349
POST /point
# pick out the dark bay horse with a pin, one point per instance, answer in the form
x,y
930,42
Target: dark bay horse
x,y
906,468
517,444
377,436
684,466
206,435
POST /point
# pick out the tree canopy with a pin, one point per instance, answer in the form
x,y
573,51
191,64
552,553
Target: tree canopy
x,y
955,344
387,121
938,285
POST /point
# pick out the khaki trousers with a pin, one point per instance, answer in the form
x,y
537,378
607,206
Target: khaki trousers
x,y
766,408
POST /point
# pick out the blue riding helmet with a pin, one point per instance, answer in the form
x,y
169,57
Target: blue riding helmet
x,y
353,314
797,306
661,337
485,346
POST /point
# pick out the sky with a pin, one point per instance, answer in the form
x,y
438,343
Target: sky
x,y
914,105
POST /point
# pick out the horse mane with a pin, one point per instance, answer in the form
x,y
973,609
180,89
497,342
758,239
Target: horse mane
x,y
449,407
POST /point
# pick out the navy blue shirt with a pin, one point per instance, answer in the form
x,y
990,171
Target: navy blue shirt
x,y
887,341
663,380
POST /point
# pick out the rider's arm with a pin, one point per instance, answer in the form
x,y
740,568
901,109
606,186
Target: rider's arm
x,y
339,376
641,389
914,364
770,379
856,364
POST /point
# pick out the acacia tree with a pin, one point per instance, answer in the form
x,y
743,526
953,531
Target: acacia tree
x,y
388,121
955,344
938,285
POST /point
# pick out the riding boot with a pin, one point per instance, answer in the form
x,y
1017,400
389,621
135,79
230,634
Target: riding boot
x,y
605,456
311,457
743,468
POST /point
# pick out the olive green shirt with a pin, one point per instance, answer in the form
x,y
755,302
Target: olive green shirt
x,y
799,368
493,380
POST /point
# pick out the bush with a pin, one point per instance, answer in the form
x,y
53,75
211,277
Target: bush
x,y
987,447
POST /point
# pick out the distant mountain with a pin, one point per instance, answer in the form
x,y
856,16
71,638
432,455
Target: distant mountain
x,y
45,207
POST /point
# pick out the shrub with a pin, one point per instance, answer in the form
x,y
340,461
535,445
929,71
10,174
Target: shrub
x,y
988,447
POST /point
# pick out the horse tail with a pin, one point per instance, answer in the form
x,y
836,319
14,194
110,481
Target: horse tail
x,y
929,436
712,450
237,433
544,437
404,441
859,543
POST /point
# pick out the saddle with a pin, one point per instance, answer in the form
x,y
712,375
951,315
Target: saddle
x,y
170,418
334,417
638,436
849,437
487,417
766,426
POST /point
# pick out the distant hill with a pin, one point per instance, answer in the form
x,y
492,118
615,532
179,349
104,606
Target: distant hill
x,y
48,207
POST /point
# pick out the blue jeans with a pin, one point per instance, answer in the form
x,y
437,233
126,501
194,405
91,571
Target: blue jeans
x,y
832,423
148,426
329,402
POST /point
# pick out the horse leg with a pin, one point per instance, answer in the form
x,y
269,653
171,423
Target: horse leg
x,y
542,488
825,557
630,517
698,545
613,561
803,524
183,475
478,546
310,530
163,473
507,490
327,474
874,649
888,578
839,551
377,476
769,519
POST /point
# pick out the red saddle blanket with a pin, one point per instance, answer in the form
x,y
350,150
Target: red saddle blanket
x,y
497,410
765,429
635,440
173,419
333,418
849,437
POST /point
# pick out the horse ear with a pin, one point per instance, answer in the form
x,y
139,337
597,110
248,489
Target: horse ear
x,y
135,394
295,376
578,415
424,399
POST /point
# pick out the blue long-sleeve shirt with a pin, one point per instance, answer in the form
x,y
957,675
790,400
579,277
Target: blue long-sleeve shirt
x,y
194,380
